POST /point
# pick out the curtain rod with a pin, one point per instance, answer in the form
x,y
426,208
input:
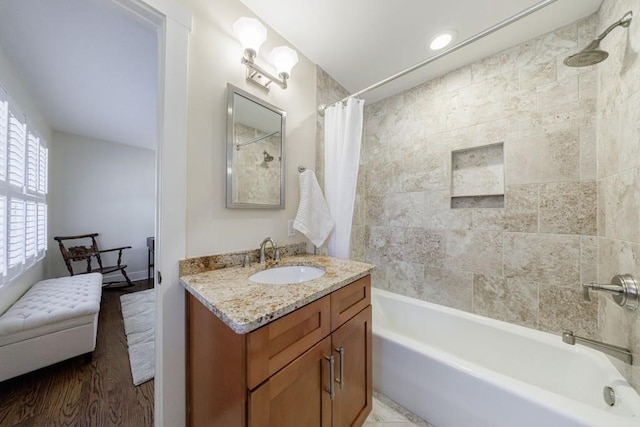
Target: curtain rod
x,y
452,49
260,138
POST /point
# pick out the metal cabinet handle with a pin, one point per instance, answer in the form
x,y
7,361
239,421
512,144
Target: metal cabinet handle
x,y
341,379
332,373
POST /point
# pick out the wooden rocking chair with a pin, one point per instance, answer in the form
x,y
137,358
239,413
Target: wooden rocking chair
x,y
82,253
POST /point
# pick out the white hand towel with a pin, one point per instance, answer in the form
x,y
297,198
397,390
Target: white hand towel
x,y
313,218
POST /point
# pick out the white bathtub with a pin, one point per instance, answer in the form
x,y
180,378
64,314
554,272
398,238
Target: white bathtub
x,y
457,369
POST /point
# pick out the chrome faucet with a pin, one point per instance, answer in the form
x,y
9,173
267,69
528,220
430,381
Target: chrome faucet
x,y
276,251
621,353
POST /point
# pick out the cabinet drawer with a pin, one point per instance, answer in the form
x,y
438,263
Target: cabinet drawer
x,y
274,345
349,301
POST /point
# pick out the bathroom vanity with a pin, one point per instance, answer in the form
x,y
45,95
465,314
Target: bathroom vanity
x,y
279,355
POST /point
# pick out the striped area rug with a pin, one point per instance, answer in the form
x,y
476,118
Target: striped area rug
x,y
138,312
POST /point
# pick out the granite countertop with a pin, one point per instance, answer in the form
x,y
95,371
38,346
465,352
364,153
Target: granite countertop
x,y
245,305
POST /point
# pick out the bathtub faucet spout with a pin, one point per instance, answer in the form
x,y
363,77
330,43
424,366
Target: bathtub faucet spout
x,y
621,353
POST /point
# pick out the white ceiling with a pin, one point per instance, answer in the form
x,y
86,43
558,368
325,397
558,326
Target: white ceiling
x,y
360,42
90,65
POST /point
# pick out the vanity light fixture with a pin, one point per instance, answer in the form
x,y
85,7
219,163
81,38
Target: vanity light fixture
x,y
442,40
251,34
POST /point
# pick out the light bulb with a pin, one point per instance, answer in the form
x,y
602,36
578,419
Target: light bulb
x,y
251,34
283,58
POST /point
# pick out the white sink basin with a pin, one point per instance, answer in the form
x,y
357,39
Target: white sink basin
x,y
286,274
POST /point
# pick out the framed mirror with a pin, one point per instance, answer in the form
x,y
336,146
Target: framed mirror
x,y
255,152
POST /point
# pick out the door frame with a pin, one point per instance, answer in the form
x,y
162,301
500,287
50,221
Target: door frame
x,y
173,23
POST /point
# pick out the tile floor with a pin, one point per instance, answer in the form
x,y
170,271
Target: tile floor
x,y
387,413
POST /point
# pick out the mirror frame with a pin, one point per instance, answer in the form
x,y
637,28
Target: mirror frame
x,y
232,91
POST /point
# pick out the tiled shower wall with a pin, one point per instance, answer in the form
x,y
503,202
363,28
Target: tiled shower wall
x,y
522,263
260,180
618,135
541,109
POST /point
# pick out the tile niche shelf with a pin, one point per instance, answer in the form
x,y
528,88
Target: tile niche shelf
x,y
477,177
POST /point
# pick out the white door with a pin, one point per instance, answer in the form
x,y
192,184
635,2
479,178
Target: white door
x,y
174,24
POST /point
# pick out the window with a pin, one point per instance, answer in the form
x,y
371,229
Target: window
x,y
23,191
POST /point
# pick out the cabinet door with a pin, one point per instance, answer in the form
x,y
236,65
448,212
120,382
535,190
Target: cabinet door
x,y
352,350
297,395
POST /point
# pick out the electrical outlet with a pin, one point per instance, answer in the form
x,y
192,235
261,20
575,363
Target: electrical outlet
x,y
290,230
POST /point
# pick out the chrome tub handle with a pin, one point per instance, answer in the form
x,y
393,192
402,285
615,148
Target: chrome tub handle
x,y
623,289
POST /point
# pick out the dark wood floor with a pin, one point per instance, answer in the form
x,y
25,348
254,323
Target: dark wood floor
x,y
79,393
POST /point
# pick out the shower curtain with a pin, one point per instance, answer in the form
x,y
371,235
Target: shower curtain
x,y
342,140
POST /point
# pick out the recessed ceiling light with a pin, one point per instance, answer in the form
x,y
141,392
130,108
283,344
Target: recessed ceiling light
x,y
442,40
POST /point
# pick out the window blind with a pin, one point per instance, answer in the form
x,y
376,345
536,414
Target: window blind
x,y
23,189
16,255
4,134
42,229
3,237
31,230
15,149
33,149
43,162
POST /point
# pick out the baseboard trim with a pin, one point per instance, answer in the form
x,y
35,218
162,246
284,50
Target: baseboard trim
x,y
133,276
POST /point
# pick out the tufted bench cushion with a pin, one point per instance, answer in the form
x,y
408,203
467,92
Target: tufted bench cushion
x,y
51,306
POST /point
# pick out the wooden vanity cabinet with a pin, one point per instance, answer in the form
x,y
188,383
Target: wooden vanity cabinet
x,y
279,374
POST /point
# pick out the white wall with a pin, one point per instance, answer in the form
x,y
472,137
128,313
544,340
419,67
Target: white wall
x,y
101,187
12,82
214,60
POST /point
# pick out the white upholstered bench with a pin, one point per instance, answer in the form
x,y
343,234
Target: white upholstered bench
x,y
56,319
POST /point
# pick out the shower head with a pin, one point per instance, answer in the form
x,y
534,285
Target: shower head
x,y
267,158
592,54
585,58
